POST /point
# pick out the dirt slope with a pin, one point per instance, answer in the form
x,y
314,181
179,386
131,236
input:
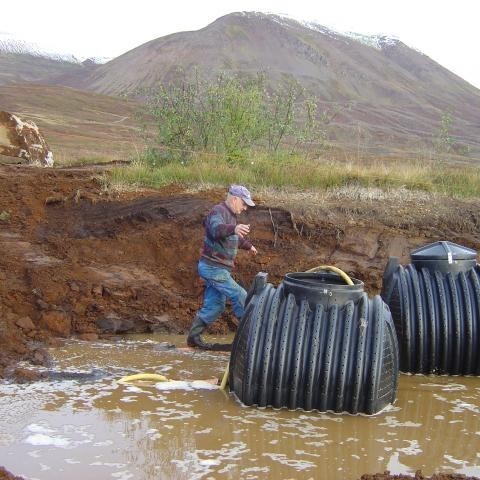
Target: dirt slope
x,y
77,261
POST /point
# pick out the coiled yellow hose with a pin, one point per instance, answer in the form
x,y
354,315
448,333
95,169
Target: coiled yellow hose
x,y
143,376
347,279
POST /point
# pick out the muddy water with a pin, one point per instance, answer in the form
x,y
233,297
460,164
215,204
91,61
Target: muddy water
x,y
93,427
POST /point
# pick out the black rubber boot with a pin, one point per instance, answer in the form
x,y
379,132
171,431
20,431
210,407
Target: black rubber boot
x,y
194,338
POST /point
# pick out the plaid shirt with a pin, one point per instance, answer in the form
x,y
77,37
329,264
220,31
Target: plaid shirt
x,y
221,243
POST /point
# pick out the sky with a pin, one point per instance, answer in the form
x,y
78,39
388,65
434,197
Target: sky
x,y
445,30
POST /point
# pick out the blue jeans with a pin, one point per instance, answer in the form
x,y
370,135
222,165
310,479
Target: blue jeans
x,y
219,285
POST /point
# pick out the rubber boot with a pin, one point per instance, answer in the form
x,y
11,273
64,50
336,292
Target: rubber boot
x,y
194,338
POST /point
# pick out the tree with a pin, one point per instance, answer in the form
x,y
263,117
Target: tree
x,y
230,115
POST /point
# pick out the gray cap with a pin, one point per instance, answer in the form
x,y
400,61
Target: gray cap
x,y
243,193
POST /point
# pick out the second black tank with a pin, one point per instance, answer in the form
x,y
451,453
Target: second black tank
x,y
435,305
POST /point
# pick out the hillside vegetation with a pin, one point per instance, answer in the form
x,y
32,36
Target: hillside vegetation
x,y
238,130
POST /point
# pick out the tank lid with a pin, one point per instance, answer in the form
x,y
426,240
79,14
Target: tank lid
x,y
443,250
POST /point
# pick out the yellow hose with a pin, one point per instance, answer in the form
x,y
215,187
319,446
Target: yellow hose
x,y
223,385
143,376
347,279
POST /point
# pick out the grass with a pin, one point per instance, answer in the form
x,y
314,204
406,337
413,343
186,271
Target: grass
x,y
4,216
299,173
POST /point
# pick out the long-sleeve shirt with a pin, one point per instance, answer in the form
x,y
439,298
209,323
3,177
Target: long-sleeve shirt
x,y
221,243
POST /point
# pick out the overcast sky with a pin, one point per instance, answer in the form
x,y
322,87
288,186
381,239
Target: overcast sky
x,y
445,30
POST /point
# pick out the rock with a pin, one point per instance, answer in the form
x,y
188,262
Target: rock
x,y
40,357
74,286
25,323
121,294
97,290
22,139
42,305
164,324
24,375
112,323
57,322
162,346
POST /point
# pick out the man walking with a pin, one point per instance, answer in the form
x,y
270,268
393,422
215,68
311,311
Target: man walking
x,y
223,237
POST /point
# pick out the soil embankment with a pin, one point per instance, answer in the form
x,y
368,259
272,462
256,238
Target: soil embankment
x,y
77,261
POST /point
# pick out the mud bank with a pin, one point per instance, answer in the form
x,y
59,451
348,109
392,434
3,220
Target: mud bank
x,y
78,261
418,476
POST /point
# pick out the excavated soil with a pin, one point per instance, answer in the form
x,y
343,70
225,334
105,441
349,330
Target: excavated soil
x,y
78,261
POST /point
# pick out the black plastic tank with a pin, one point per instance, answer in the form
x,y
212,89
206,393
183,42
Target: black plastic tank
x,y
435,305
314,343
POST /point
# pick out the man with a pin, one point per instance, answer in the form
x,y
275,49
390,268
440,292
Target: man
x,y
223,237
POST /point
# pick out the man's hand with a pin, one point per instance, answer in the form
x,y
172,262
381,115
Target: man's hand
x,y
253,251
242,230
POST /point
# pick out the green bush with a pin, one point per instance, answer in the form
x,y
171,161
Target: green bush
x,y
230,116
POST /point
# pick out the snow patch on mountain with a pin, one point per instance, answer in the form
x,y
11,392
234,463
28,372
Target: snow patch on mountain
x,y
376,41
13,45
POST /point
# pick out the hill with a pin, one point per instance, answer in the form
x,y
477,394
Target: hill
x,y
395,95
22,61
391,98
24,67
76,124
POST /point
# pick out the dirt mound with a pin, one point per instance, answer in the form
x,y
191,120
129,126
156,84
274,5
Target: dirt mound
x,y
76,261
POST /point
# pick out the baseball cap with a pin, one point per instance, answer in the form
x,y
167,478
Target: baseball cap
x,y
243,193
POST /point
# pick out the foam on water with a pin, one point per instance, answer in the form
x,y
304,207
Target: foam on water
x,y
185,385
44,440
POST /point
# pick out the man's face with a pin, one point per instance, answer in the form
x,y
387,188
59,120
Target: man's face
x,y
239,205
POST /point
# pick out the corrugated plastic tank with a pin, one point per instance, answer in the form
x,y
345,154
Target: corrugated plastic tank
x,y
315,343
435,305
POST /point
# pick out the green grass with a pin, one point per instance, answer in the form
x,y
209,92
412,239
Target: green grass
x,y
294,171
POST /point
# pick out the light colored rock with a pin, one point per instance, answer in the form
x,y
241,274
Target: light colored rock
x,y
25,323
23,139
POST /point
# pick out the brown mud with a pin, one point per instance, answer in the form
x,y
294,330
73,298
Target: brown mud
x,y
78,261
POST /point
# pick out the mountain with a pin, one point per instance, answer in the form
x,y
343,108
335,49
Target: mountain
x,y
389,95
24,62
395,94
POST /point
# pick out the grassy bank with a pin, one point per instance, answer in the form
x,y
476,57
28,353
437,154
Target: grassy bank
x,y
297,172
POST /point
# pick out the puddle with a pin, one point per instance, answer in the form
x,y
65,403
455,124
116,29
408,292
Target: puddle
x,y
91,426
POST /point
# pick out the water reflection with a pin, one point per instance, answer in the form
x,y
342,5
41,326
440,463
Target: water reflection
x,y
97,428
